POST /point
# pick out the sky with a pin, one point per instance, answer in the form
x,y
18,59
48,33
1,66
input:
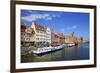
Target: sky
x,y
64,22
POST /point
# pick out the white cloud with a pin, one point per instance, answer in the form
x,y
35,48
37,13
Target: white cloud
x,y
72,27
62,30
33,17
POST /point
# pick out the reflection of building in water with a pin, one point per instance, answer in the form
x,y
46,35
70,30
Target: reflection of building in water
x,y
27,39
73,39
55,56
49,57
70,52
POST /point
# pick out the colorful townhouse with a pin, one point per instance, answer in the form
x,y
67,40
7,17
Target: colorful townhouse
x,y
73,39
27,34
57,39
42,34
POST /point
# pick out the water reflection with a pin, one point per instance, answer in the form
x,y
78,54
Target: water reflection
x,y
80,52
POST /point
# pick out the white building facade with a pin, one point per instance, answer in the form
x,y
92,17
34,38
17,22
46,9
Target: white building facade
x,y
42,34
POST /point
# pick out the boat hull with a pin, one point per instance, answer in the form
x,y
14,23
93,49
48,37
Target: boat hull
x,y
46,52
70,45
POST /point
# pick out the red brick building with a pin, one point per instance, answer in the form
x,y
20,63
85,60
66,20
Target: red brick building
x,y
61,38
57,39
54,39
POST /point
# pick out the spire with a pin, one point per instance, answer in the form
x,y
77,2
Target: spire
x,y
33,23
72,34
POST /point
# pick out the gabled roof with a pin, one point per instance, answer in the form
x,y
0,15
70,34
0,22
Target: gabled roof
x,y
29,30
40,28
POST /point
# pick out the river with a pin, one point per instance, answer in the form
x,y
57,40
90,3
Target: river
x,y
80,52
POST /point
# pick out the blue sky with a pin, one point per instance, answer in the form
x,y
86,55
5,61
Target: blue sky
x,y
65,22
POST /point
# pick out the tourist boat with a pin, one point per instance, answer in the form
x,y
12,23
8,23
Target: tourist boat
x,y
70,44
44,50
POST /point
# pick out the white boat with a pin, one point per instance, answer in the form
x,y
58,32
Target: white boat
x,y
70,44
47,49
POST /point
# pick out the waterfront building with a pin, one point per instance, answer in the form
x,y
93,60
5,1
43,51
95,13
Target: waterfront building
x,y
23,33
48,35
57,38
61,38
73,39
54,39
80,40
42,34
27,34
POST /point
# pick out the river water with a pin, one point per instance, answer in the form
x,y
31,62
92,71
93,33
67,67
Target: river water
x,y
80,52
